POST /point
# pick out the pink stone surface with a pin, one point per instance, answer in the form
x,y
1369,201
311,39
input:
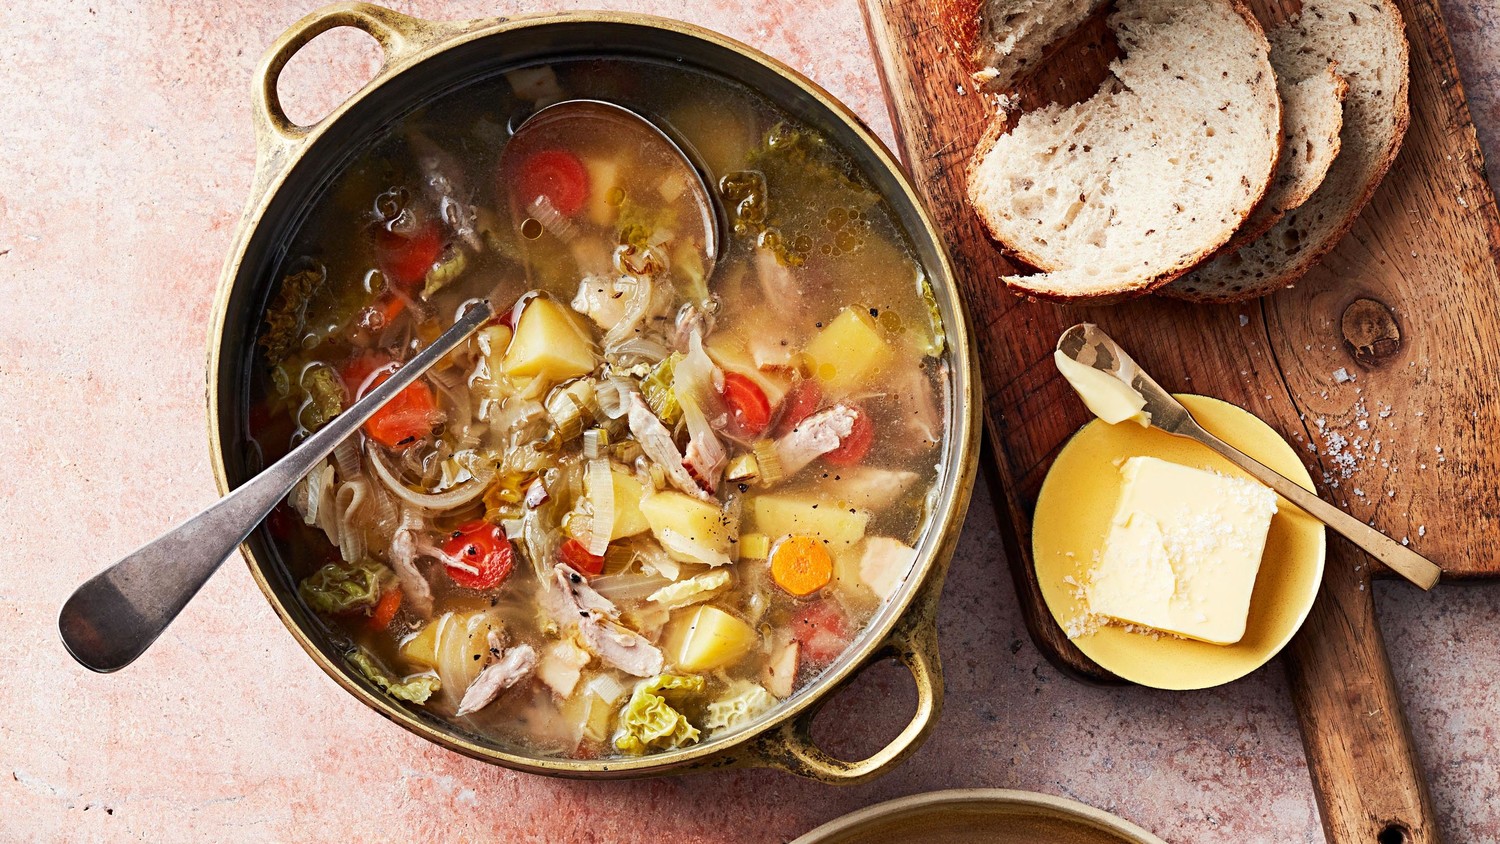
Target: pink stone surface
x,y
127,153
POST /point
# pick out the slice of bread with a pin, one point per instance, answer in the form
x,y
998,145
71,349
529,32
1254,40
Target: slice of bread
x,y
1312,113
1005,39
1366,39
1123,192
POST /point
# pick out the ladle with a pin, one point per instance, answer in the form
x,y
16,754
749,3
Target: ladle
x,y
112,618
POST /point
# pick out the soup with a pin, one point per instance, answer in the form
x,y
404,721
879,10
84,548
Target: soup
x,y
666,489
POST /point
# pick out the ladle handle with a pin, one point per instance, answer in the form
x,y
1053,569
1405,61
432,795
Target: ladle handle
x,y
113,617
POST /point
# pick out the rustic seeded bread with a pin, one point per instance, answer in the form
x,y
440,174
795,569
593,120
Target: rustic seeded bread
x,y
1005,39
1312,113
1367,40
1122,193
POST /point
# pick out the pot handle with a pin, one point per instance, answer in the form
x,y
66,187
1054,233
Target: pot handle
x,y
791,746
398,35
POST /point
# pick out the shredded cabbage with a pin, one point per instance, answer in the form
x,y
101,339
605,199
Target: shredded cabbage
x,y
337,588
692,590
325,396
286,317
745,701
649,722
657,390
639,226
793,172
451,267
416,688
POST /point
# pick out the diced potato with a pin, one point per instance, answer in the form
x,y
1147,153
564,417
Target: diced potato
x,y
628,518
705,637
549,344
784,515
706,527
562,664
848,352
852,589
731,354
454,643
421,647
604,179
599,717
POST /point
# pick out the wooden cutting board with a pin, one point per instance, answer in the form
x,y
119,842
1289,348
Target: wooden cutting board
x,y
1408,304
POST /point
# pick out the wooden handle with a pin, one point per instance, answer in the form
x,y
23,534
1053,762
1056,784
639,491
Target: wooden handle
x,y
1359,751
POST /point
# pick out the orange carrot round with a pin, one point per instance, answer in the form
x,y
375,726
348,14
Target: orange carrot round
x,y
385,609
801,565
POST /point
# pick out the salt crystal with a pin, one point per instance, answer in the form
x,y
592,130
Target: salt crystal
x,y
1244,320
1341,375
1421,530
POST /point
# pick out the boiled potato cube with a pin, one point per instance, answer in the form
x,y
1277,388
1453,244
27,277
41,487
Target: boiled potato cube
x,y
785,515
421,647
847,352
730,353
852,589
604,179
675,516
628,518
549,344
703,638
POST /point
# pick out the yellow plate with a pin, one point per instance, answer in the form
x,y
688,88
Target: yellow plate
x,y
1073,514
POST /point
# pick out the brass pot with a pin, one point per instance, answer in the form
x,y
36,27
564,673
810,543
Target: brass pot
x,y
422,60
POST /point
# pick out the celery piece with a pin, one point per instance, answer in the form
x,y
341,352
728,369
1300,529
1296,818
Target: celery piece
x,y
657,390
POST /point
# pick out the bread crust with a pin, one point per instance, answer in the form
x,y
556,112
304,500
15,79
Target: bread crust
x,y
1002,124
1258,224
1309,257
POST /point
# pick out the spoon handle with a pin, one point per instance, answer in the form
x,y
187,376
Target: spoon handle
x,y
1397,557
113,617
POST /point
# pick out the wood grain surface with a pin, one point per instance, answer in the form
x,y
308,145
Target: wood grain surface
x,y
1382,363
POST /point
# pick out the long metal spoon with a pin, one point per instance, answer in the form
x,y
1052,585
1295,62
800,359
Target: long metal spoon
x,y
1089,346
113,617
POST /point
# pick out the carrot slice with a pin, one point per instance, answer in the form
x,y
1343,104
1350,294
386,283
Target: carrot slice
x,y
385,609
801,565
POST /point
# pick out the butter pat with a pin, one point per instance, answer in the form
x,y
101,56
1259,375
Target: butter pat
x,y
1183,550
1107,397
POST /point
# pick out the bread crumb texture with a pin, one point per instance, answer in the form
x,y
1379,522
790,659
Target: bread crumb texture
x,y
1125,191
1365,41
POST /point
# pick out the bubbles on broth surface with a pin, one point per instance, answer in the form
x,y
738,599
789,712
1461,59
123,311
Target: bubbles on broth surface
x,y
813,319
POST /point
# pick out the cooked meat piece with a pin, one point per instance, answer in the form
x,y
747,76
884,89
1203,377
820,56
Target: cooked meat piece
x,y
605,637
657,442
513,665
814,437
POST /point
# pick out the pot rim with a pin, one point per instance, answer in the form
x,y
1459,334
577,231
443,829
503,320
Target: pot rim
x,y
281,147
859,820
